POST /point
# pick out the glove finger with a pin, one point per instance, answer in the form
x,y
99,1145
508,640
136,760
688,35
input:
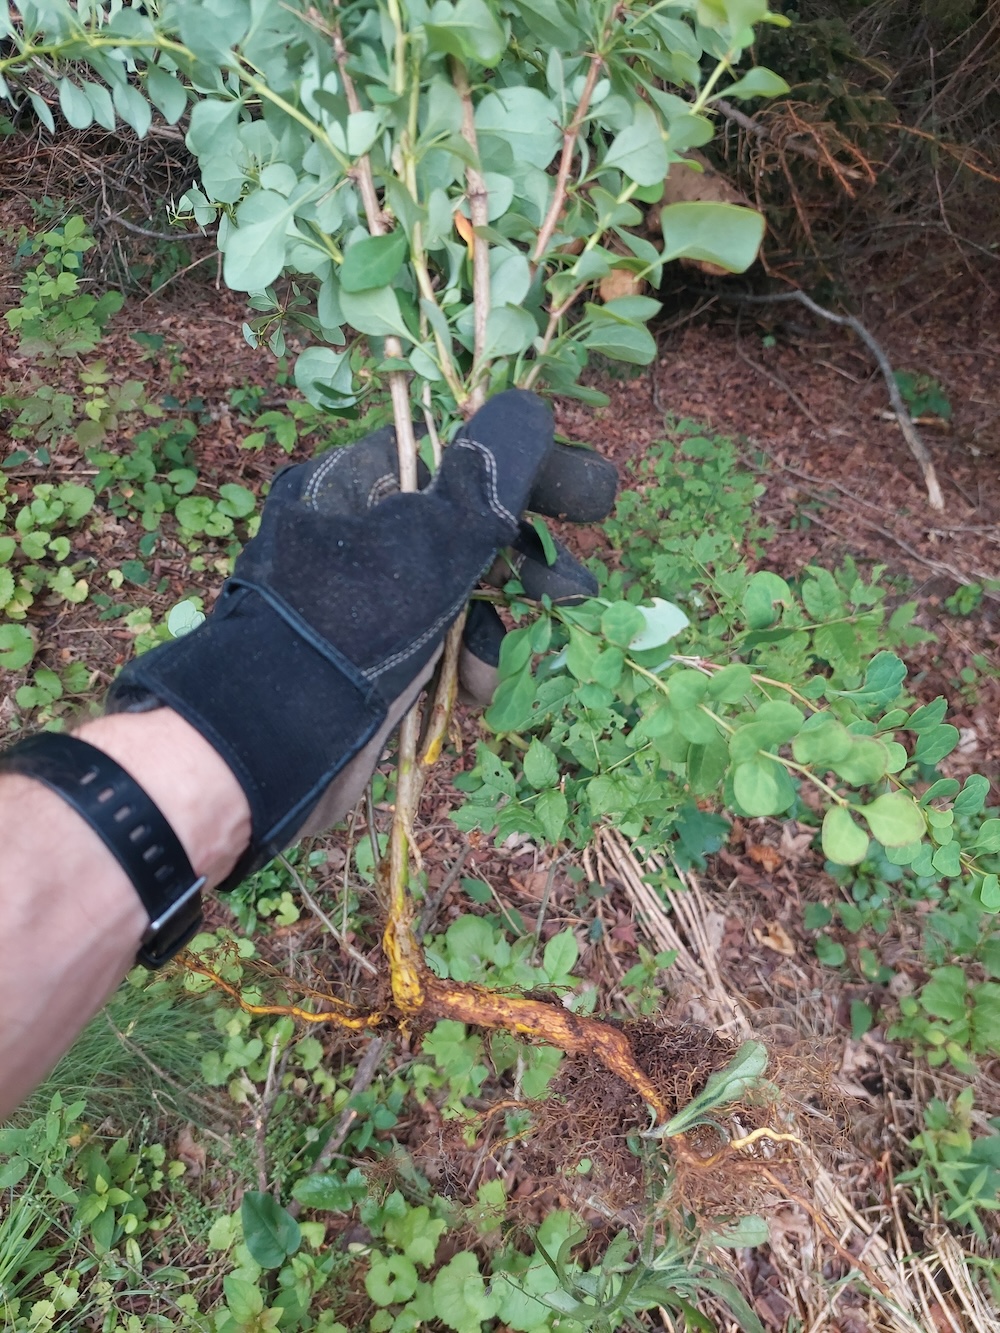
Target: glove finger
x,y
575,483
565,580
346,481
492,463
480,655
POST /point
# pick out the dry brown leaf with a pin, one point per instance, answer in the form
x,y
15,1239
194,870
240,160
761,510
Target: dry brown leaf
x,y
192,1154
795,841
696,180
775,937
620,282
532,885
768,858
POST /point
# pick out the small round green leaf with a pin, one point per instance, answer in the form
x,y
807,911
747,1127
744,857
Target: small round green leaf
x,y
622,622
17,647
844,842
183,618
762,787
391,1280
895,819
663,622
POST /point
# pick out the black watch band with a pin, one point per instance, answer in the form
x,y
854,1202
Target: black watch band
x,y
131,826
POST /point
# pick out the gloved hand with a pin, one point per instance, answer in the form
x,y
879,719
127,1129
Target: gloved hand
x,y
337,610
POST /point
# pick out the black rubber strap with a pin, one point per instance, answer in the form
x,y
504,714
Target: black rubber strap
x,y
131,826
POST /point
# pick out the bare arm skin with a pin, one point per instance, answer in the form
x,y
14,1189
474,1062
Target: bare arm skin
x,y
70,920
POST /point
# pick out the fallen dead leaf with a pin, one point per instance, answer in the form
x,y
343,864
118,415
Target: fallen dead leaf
x,y
620,282
768,858
777,938
532,885
192,1154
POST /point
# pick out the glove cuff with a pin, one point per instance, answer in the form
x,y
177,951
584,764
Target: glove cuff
x,y
229,680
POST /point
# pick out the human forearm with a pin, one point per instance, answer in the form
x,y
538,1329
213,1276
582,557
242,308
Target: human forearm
x,y
70,920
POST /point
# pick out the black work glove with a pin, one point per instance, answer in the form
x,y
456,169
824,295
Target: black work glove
x,y
337,610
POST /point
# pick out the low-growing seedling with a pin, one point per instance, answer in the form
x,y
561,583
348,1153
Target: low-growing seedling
x,y
54,317
956,1165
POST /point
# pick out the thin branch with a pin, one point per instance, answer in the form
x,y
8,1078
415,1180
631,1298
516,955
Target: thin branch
x,y
478,197
551,329
431,906
367,1068
910,433
566,161
318,912
399,389
153,235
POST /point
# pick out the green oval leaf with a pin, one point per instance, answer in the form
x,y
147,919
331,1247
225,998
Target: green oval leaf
x,y
758,82
844,842
762,787
722,234
373,262
75,105
639,151
270,1231
895,819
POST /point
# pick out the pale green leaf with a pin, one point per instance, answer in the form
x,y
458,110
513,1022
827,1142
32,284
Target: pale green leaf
x,y
17,647
640,150
461,1300
762,787
560,956
844,842
133,108
524,119
324,376
255,247
183,618
166,92
621,341
373,261
510,330
664,621
42,111
722,234
100,99
467,29
895,819
75,105
758,82
375,311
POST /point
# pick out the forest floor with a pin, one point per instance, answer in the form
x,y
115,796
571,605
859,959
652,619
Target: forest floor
x,y
808,407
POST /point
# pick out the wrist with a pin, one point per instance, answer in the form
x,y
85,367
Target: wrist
x,y
186,778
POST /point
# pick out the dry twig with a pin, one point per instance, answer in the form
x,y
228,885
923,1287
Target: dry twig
x,y
910,433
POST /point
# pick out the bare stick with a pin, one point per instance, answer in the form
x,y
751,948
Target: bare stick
x,y
399,389
566,161
431,907
917,447
317,911
366,1072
